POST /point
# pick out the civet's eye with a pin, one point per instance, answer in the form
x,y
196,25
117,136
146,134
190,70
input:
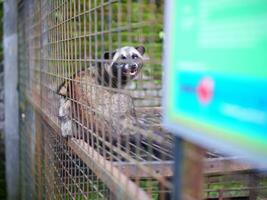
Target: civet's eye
x,y
134,56
123,57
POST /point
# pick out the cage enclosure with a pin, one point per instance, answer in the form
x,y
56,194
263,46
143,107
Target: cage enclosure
x,y
90,104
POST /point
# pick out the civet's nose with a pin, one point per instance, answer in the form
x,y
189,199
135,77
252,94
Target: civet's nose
x,y
134,67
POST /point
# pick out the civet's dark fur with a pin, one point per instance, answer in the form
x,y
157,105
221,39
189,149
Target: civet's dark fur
x,y
100,107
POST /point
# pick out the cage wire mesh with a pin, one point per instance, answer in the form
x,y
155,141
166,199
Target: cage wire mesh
x,y
118,149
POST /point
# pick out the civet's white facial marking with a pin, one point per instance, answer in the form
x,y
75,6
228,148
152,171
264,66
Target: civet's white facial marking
x,y
126,62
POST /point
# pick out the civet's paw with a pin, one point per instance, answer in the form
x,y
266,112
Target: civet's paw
x,y
64,117
66,128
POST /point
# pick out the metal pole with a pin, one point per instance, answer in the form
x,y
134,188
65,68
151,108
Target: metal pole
x,y
11,99
177,176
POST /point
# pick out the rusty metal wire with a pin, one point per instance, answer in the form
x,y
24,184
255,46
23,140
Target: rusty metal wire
x,y
107,157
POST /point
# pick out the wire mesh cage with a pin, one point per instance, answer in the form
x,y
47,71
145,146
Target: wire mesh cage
x,y
93,69
90,104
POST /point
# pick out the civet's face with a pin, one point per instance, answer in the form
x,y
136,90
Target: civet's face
x,y
126,62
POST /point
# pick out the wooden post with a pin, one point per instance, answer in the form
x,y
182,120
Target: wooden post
x,y
188,177
11,98
253,183
193,171
177,169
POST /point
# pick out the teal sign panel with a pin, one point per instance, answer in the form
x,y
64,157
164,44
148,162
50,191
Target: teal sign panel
x,y
215,77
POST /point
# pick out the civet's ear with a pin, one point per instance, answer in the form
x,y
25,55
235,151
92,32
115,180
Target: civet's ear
x,y
141,49
109,55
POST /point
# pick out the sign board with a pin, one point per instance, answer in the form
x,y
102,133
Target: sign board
x,y
215,78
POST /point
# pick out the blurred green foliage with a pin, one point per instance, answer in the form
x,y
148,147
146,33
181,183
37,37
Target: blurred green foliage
x,y
110,26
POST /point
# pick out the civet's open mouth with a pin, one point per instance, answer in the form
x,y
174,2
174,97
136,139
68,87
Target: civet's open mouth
x,y
132,71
